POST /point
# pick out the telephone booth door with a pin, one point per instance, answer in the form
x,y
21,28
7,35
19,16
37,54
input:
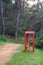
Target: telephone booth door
x,y
29,41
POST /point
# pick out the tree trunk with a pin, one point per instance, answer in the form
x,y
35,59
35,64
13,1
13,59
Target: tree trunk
x,y
2,17
20,8
17,24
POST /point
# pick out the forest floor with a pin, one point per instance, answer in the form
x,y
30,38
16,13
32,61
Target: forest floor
x,y
6,52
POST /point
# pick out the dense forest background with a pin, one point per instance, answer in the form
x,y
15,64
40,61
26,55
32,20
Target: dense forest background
x,y
16,17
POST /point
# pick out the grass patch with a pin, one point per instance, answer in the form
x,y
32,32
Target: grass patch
x,y
2,42
30,58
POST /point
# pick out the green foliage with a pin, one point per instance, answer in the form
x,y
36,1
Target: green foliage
x,y
39,40
6,39
6,1
20,40
30,18
3,38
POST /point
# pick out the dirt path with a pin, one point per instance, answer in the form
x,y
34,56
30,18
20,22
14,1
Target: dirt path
x,y
6,52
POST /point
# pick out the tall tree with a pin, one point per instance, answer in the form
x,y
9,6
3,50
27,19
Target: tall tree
x,y
2,17
18,3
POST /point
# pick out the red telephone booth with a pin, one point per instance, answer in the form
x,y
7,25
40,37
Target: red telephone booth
x,y
29,41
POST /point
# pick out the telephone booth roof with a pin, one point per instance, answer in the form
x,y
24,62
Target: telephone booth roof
x,y
29,32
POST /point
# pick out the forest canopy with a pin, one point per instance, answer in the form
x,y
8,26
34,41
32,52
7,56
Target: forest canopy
x,y
16,17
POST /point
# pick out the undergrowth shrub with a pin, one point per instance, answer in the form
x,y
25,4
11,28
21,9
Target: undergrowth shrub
x,y
3,38
39,40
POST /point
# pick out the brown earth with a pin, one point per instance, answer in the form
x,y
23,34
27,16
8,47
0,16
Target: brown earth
x,y
6,52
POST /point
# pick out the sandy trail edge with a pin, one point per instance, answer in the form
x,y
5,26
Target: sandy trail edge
x,y
6,52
